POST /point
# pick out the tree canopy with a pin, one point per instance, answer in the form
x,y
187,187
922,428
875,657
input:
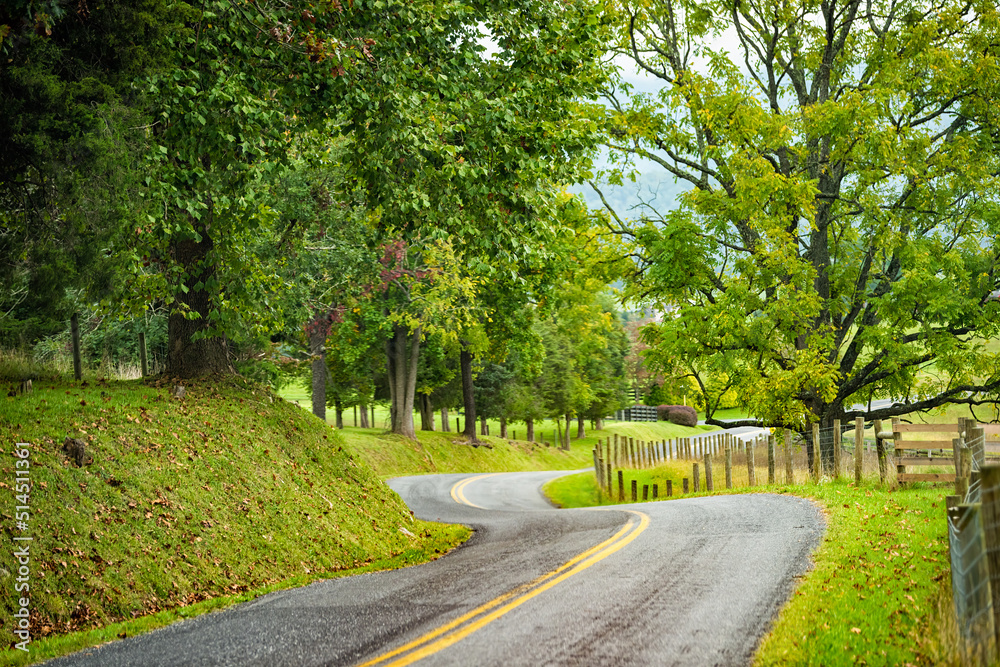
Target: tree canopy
x,y
839,239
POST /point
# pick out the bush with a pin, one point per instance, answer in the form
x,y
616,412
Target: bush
x,y
682,415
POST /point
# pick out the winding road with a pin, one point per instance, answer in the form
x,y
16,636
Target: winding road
x,y
683,582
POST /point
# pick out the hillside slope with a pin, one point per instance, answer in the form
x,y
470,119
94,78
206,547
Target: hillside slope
x,y
224,490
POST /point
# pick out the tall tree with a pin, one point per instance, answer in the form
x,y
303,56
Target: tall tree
x,y
839,241
246,80
71,138
454,141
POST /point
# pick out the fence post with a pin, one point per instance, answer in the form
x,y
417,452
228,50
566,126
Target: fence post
x,y
880,451
635,495
789,471
645,492
670,488
751,466
817,452
143,360
656,491
687,488
956,452
770,458
836,448
729,466
897,452
859,448
989,477
978,453
697,478
621,487
74,327
961,482
709,484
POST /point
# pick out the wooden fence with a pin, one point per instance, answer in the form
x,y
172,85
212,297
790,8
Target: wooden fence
x,y
793,458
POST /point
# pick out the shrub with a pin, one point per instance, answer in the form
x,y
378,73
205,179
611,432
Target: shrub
x,y
682,415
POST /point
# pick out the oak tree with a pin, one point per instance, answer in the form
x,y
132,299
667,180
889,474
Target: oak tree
x,y
839,239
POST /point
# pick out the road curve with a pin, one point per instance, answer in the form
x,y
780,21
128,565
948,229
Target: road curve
x,y
684,582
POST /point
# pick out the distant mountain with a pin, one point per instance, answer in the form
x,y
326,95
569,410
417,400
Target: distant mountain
x,y
654,188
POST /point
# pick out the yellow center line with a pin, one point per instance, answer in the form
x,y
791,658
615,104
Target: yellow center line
x,y
497,601
458,629
458,490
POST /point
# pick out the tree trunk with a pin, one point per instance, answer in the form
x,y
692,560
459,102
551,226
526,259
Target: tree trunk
x,y
317,350
599,424
402,353
529,424
580,430
566,432
364,417
338,407
426,413
503,428
445,426
482,426
468,397
187,357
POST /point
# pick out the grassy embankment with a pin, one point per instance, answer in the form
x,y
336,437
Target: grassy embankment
x,y
189,505
878,592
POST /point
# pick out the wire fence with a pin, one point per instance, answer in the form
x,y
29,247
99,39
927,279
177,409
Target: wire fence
x,y
973,525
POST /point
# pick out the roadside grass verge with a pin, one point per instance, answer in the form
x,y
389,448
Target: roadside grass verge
x,y
189,505
879,589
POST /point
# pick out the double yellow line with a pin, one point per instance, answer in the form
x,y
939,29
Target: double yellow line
x,y
458,491
463,626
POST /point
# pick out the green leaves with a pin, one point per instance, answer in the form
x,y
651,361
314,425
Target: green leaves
x,y
841,192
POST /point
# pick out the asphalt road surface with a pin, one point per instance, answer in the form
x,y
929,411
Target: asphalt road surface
x,y
681,582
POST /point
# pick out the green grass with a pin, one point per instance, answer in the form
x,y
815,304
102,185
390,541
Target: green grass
x,y
18,365
436,452
449,452
189,504
878,590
